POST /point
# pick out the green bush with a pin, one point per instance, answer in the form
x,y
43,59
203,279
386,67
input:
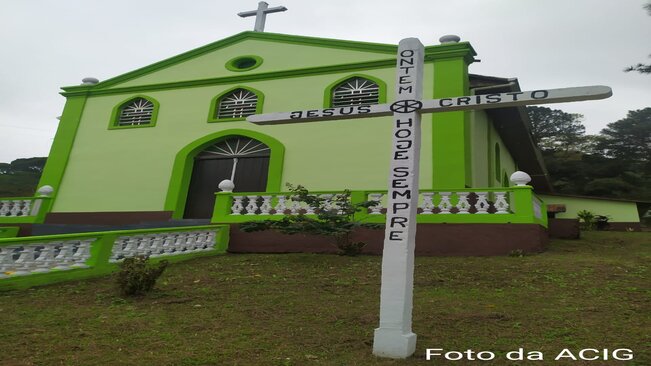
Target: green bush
x,y
586,218
137,276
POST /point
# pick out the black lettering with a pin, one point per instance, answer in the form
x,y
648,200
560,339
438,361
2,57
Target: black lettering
x,y
407,53
478,99
347,110
398,221
393,235
403,133
400,206
407,89
296,114
515,95
328,112
312,113
400,122
544,93
400,155
400,171
407,144
406,68
493,98
464,100
399,183
405,194
403,79
445,100
364,109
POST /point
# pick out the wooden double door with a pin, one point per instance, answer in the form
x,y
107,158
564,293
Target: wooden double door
x,y
243,160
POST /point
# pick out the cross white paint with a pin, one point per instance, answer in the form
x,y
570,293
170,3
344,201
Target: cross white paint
x,y
394,338
261,14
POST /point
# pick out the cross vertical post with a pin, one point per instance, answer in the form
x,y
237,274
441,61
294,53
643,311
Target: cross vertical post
x,y
394,338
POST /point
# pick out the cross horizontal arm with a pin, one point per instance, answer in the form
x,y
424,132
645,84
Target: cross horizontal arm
x,y
484,101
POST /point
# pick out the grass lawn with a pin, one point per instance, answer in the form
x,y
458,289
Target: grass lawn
x,y
303,309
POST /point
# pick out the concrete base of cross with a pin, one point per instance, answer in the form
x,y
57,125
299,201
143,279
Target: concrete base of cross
x,y
393,343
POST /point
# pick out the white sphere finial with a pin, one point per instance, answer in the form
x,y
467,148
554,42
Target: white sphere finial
x,y
45,191
226,185
520,178
449,38
89,81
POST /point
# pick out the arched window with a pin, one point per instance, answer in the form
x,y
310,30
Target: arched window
x,y
355,91
238,103
136,112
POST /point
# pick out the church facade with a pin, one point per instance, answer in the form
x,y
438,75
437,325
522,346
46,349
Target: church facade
x,y
152,145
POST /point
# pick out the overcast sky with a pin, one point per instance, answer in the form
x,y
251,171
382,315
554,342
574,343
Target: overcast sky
x,y
46,44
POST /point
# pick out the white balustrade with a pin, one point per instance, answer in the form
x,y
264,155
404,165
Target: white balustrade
x,y
163,244
21,260
501,206
17,208
376,197
428,203
463,205
445,204
482,204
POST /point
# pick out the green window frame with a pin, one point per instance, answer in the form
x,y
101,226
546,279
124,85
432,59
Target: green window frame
x,y
328,100
217,103
141,106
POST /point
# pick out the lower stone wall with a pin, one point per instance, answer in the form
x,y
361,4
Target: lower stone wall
x,y
563,228
431,240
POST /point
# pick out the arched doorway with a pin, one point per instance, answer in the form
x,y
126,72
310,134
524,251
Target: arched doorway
x,y
242,159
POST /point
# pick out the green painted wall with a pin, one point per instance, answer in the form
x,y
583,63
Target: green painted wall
x,y
276,56
479,130
618,211
129,169
507,164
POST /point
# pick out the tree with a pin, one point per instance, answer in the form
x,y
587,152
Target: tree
x,y
553,129
629,139
640,67
334,218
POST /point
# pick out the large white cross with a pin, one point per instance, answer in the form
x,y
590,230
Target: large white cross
x,y
394,337
261,14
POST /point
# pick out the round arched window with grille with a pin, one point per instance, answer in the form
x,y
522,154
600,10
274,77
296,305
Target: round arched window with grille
x,y
136,112
237,104
355,91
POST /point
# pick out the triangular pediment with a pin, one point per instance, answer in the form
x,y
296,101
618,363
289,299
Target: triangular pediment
x,y
275,53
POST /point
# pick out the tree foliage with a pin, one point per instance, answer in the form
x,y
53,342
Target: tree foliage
x,y
553,129
20,177
640,67
614,163
334,218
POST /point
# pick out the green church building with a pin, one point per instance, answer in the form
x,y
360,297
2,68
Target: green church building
x,y
151,146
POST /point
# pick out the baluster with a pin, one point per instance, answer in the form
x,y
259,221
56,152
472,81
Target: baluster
x,y
63,260
294,206
501,205
82,254
463,205
5,207
7,263
117,252
143,244
281,206
210,240
428,203
482,202
156,245
376,197
180,243
265,207
168,244
191,241
237,207
200,240
252,206
131,248
45,260
445,204
27,206
15,208
25,261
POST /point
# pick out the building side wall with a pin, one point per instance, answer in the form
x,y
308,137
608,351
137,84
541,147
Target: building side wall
x,y
617,211
507,164
479,127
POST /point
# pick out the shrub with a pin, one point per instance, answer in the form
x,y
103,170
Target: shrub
x,y
137,276
587,218
336,221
